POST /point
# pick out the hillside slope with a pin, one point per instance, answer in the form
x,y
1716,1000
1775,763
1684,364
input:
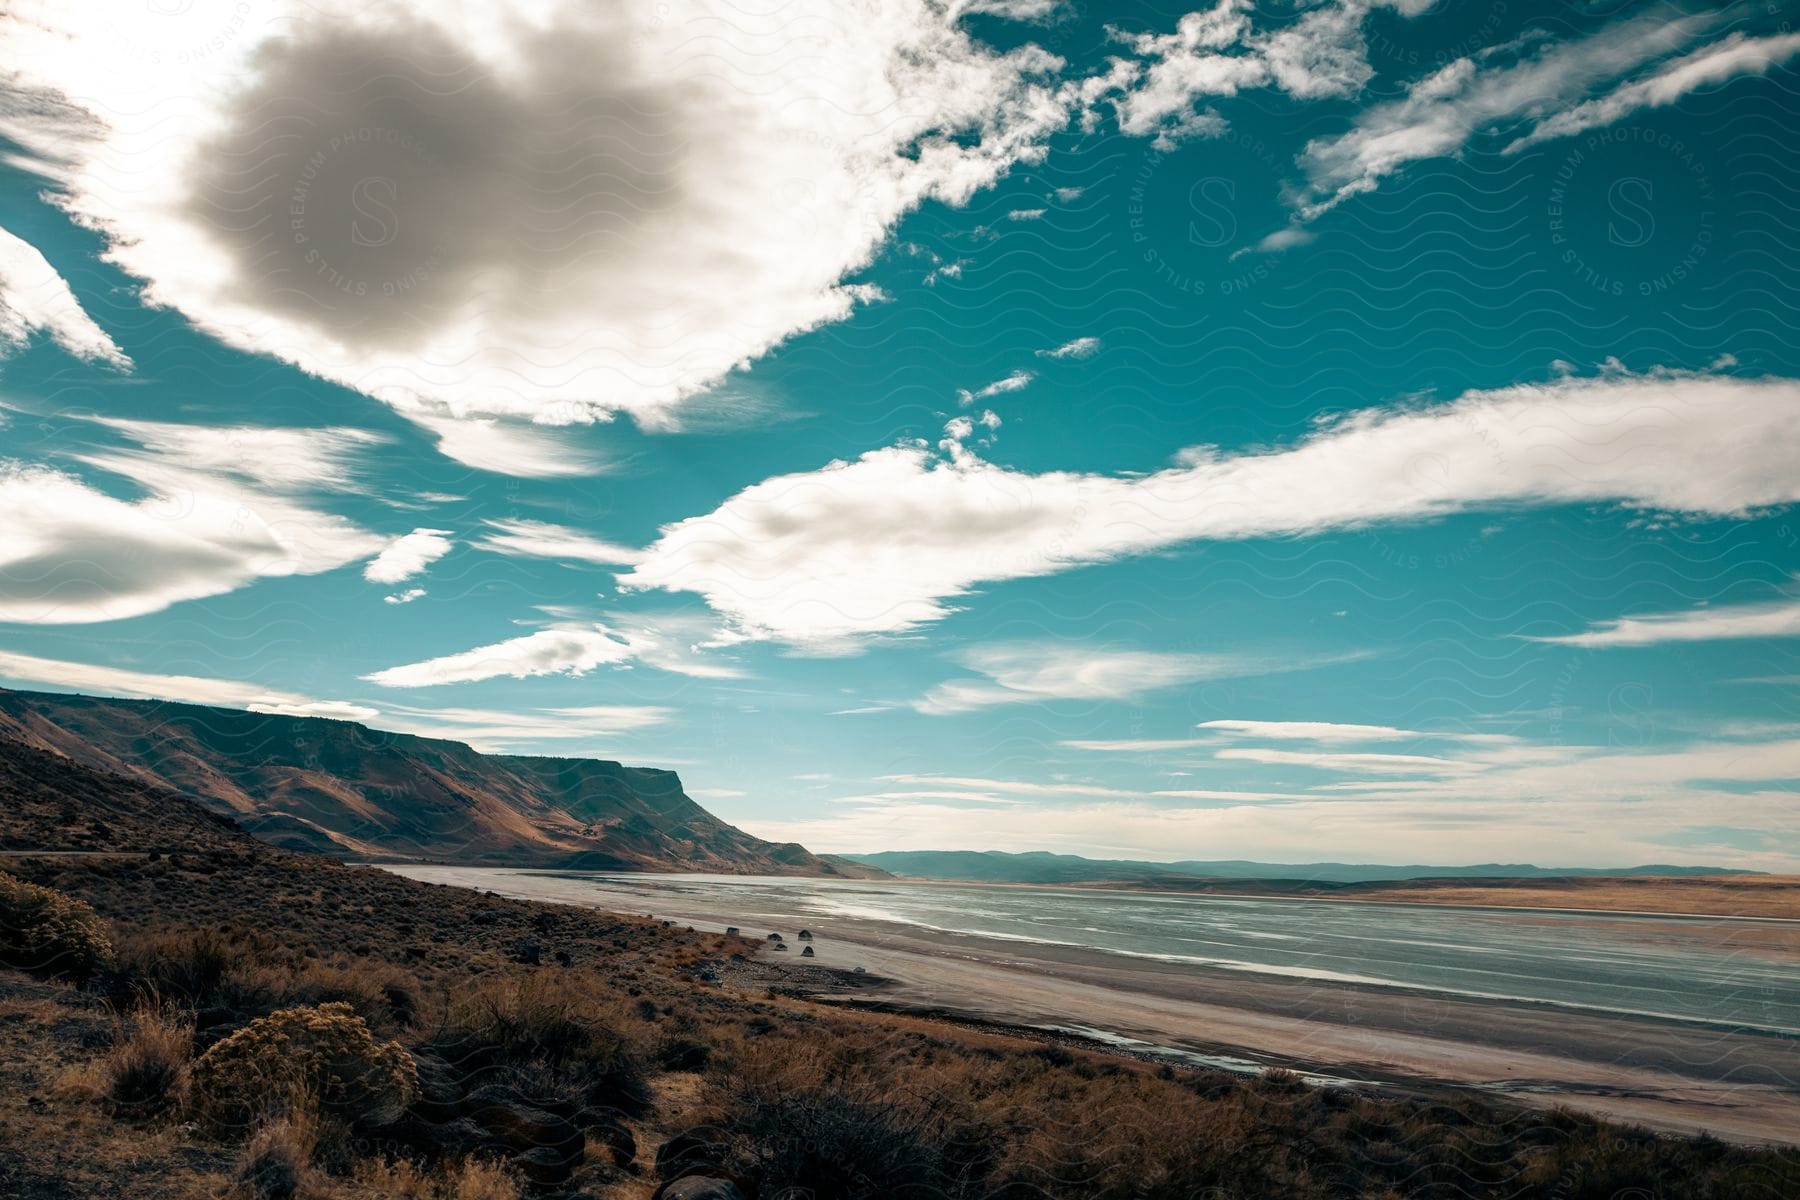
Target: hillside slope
x,y
342,788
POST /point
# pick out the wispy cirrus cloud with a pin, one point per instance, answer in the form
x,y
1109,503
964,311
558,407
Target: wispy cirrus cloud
x,y
35,299
1717,63
1038,672
1081,347
1554,805
99,679
1018,381
570,648
546,652
217,509
493,730
1442,112
1328,732
1777,619
541,539
889,542
1337,731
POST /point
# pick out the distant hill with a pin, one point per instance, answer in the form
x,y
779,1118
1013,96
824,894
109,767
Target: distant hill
x,y
310,783
997,866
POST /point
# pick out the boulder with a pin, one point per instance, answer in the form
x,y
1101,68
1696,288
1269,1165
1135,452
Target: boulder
x,y
804,935
807,952
545,1166
700,1187
605,1128
519,1128
692,1151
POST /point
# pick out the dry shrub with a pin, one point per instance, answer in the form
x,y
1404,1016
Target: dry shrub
x,y
146,1069
277,1160
545,1019
471,1179
326,1053
47,933
385,997
188,965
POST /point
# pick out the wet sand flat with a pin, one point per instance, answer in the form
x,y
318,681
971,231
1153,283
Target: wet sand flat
x,y
1689,1076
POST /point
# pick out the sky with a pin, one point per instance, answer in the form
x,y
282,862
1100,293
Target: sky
x,y
1357,430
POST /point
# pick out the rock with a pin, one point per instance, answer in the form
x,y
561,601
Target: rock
x,y
520,1128
440,1089
731,930
545,1166
692,1151
774,937
807,953
438,1140
700,1187
605,1128
804,935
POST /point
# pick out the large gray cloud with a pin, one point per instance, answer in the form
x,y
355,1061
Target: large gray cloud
x,y
530,210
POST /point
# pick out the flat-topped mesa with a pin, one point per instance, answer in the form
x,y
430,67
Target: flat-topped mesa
x,y
342,788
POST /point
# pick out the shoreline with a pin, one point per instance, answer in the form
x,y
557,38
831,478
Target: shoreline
x,y
1666,1073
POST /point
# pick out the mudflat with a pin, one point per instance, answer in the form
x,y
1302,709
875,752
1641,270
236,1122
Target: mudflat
x,y
1738,1083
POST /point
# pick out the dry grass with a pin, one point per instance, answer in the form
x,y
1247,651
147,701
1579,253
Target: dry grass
x,y
277,1161
145,1073
471,1179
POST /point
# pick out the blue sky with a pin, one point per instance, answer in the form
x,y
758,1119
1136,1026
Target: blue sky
x,y
1325,431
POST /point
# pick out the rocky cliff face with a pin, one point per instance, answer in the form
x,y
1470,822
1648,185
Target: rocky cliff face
x,y
343,788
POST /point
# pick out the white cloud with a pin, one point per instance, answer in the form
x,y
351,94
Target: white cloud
x,y
1281,731
1018,381
1440,113
504,447
541,539
549,210
496,730
72,553
667,643
35,299
546,652
1217,52
271,457
1557,806
1384,763
407,556
884,544
1135,745
1332,731
1081,347
95,679
1026,214
1033,672
1775,620
406,597
1717,63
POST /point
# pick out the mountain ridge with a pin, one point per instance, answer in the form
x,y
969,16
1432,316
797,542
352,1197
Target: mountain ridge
x,y
1041,866
339,787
